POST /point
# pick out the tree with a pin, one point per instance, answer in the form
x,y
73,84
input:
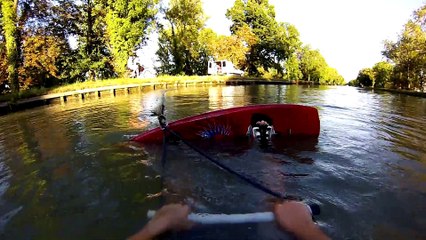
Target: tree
x,y
127,23
354,83
26,20
3,67
222,47
41,65
382,74
366,77
180,50
271,43
3,58
292,70
315,69
311,64
408,53
93,58
9,18
330,76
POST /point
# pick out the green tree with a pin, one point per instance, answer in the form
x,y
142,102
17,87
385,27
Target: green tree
x,y
315,69
222,47
3,58
330,76
365,77
382,74
26,20
292,69
408,53
180,50
273,42
93,58
10,27
127,23
354,83
312,64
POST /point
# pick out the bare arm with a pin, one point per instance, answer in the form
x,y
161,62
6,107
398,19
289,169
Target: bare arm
x,y
295,218
169,217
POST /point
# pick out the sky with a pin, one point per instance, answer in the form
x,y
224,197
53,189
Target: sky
x,y
348,33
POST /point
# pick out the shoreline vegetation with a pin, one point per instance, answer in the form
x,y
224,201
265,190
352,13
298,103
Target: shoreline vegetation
x,y
38,63
11,98
112,40
30,98
404,66
38,97
399,91
176,80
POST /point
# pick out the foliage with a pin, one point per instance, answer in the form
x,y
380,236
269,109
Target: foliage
x,y
366,77
292,71
311,64
270,43
93,56
181,51
9,20
41,61
314,68
35,35
408,53
379,76
3,67
353,83
382,74
127,23
222,47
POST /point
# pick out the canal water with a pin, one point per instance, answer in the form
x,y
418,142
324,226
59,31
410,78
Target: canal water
x,y
69,171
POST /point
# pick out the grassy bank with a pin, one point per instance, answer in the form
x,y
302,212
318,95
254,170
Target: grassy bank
x,y
34,92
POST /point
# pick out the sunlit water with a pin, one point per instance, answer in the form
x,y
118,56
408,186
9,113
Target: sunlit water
x,y
69,172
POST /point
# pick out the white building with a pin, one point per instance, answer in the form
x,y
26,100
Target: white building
x,y
222,67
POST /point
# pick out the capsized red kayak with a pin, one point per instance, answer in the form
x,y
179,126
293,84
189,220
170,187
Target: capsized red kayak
x,y
287,120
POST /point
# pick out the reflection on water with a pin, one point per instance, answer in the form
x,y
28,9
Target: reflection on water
x,y
68,171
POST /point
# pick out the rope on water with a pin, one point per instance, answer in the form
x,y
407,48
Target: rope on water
x,y
163,124
222,166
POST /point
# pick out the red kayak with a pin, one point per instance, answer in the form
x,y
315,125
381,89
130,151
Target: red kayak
x,y
284,120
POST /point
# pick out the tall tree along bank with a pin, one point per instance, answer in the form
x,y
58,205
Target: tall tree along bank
x,y
127,23
405,67
180,48
11,33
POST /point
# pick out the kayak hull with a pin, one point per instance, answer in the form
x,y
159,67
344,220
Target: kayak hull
x,y
288,120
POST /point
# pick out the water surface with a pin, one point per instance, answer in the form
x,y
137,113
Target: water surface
x,y
69,172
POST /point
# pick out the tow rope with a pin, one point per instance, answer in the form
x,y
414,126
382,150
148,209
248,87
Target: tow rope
x,y
247,179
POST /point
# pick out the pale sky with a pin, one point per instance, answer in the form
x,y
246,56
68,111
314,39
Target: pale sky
x,y
349,34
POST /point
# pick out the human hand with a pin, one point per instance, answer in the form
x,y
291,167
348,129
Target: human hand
x,y
169,217
295,217
172,217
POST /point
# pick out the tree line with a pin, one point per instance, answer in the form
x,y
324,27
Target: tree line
x,y
405,65
35,37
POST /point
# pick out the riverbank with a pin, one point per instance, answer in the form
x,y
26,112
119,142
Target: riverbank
x,y
35,92
82,90
406,92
